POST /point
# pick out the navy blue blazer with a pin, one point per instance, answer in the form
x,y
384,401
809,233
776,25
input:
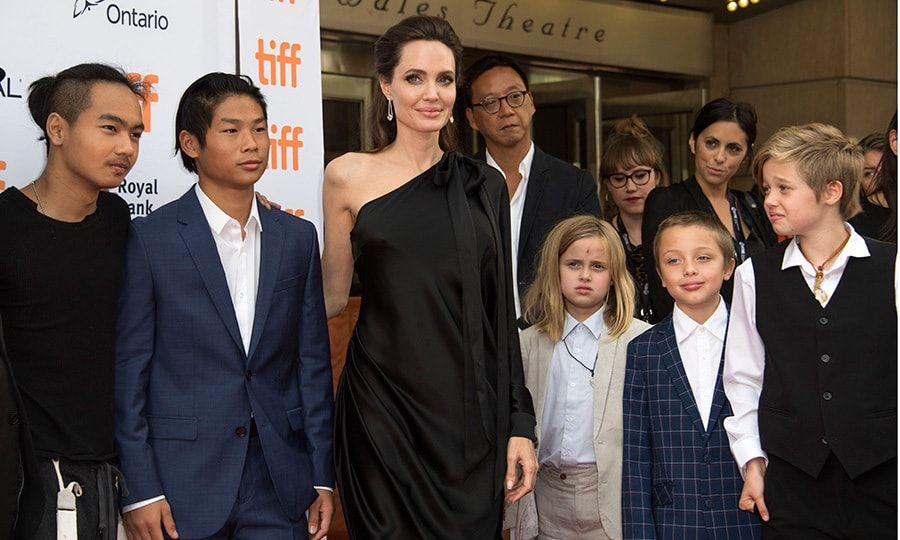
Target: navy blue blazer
x,y
185,388
679,480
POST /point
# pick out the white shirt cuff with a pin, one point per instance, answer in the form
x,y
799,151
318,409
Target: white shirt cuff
x,y
325,488
142,504
746,449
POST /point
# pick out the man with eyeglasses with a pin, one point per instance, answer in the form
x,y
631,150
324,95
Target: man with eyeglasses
x,y
543,190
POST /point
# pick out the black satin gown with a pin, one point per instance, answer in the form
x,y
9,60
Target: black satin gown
x,y
433,386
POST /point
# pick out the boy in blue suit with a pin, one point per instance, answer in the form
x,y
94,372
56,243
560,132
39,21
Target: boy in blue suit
x,y
223,374
678,476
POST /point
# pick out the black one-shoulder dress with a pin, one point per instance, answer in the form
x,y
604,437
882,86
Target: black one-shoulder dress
x,y
433,385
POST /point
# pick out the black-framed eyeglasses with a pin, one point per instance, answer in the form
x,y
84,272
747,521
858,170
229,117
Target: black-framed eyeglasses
x,y
639,177
491,104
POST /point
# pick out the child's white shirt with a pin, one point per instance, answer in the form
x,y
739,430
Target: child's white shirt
x,y
700,347
567,424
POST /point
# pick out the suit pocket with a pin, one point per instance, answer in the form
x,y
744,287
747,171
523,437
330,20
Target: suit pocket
x,y
295,418
172,427
287,283
662,493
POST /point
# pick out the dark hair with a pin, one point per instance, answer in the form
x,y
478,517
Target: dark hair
x,y
388,49
199,102
68,93
726,110
886,182
873,142
487,63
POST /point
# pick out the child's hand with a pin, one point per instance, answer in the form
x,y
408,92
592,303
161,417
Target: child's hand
x,y
754,483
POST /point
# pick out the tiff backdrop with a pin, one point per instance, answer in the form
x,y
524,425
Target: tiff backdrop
x,y
167,44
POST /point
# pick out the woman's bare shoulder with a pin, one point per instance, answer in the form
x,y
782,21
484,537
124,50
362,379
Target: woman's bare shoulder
x,y
348,169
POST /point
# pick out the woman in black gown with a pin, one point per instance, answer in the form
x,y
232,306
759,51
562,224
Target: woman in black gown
x,y
721,140
431,406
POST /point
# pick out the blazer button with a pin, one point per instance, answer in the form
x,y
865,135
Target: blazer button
x,y
13,419
708,503
823,321
248,375
241,431
827,396
562,476
825,358
707,458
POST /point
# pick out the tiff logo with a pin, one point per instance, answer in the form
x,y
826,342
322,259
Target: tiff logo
x,y
291,2
2,168
148,94
277,64
279,146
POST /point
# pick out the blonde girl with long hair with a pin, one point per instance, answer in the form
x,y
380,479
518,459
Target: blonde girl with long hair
x,y
581,308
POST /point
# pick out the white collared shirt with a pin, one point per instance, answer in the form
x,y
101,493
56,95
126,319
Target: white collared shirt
x,y
567,424
516,208
239,257
745,353
700,347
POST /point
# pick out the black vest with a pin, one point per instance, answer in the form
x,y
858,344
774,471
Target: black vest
x,y
830,381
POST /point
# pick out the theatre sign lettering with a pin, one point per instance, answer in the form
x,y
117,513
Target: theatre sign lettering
x,y
608,33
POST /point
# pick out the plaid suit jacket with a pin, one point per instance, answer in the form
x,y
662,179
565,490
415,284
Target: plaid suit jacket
x,y
679,480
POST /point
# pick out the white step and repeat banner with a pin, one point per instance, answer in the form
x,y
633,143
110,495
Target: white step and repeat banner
x,y
167,44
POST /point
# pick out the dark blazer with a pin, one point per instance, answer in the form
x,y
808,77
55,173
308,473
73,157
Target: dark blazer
x,y
185,388
679,479
556,190
20,510
687,195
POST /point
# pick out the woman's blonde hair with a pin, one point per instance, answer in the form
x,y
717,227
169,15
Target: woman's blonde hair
x,y
544,303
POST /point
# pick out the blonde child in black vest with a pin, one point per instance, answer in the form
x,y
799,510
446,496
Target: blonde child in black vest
x,y
811,352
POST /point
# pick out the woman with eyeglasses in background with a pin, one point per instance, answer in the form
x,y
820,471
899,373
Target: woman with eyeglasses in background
x,y
721,139
631,167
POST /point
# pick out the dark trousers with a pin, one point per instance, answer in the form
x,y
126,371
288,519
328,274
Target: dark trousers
x,y
832,506
90,524
257,513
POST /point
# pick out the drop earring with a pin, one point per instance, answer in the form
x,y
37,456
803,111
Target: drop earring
x,y
390,114
451,118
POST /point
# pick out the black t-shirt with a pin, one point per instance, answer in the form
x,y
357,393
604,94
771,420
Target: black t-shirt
x,y
59,292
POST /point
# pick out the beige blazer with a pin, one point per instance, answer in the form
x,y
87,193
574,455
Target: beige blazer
x,y
608,383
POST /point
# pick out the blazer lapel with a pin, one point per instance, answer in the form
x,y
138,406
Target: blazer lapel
x,y
672,360
542,375
272,242
198,238
606,359
718,397
537,181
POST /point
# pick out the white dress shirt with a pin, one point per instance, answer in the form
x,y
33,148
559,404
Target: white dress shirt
x,y
745,353
516,208
700,347
567,425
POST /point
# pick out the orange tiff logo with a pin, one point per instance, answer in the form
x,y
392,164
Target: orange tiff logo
x,y
286,146
291,2
148,94
271,65
2,168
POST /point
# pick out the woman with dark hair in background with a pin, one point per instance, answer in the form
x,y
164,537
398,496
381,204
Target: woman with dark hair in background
x,y
432,414
631,167
884,189
721,139
875,208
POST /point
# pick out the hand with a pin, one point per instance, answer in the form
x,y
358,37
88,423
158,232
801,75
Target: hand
x,y
752,493
320,513
144,523
267,204
520,451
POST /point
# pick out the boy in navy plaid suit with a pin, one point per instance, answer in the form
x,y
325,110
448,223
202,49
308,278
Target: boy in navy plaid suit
x,y
678,476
